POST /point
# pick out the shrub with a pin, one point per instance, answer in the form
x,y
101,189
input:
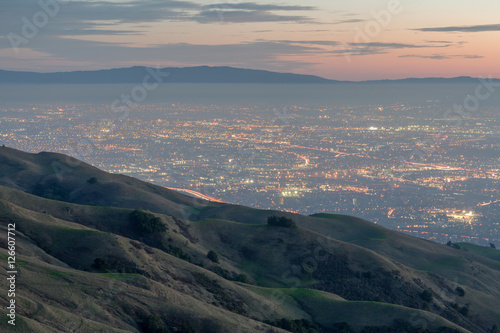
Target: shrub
x,y
280,221
222,272
248,253
426,295
146,222
232,276
213,256
100,264
460,291
464,310
305,326
367,275
153,324
401,325
225,299
176,252
342,327
242,278
186,328
92,180
157,241
115,264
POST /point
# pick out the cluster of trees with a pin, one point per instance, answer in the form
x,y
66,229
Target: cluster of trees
x,y
307,326
464,310
52,191
280,221
146,222
155,324
175,251
117,265
221,295
100,264
230,275
169,248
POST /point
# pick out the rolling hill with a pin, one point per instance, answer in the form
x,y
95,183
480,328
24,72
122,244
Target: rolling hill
x,y
100,252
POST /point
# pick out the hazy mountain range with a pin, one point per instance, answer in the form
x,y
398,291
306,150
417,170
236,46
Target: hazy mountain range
x,y
201,74
101,252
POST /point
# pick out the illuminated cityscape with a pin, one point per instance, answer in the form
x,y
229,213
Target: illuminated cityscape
x,y
402,166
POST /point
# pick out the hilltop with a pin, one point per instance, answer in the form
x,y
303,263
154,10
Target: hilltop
x,y
100,252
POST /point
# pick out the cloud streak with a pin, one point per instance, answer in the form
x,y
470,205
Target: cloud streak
x,y
373,48
243,16
441,56
470,28
249,12
88,17
115,54
255,6
388,45
310,42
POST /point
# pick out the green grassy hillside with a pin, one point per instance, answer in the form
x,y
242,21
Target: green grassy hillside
x,y
89,261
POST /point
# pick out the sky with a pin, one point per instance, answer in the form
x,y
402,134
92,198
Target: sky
x,y
336,39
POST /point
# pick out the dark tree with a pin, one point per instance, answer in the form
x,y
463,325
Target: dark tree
x,y
212,255
426,295
242,278
100,264
153,324
460,291
465,310
92,180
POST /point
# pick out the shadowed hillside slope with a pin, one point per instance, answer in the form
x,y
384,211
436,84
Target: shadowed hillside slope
x,y
89,260
60,177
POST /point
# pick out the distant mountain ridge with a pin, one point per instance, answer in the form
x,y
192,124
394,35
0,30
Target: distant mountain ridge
x,y
199,74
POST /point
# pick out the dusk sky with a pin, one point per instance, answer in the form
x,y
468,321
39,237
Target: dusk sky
x,y
336,39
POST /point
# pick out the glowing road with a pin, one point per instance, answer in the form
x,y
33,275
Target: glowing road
x,y
194,194
436,166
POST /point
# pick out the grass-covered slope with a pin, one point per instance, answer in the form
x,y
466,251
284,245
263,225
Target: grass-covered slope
x,y
60,289
89,261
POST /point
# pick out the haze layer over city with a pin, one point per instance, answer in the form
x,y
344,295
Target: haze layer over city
x,y
421,159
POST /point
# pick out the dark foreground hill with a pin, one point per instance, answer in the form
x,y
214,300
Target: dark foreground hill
x,y
98,252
